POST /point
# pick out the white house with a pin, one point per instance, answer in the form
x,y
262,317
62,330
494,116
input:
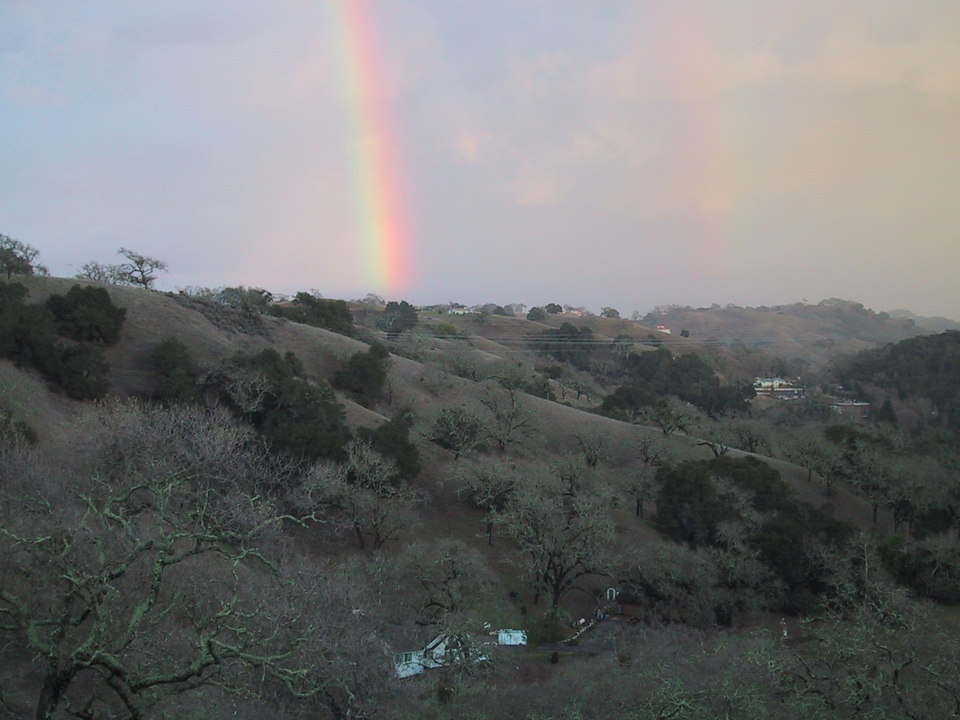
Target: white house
x,y
778,387
511,637
443,650
447,649
438,652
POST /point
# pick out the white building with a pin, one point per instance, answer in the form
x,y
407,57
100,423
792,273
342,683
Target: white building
x,y
778,387
447,649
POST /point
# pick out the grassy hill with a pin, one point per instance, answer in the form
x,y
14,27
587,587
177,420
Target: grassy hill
x,y
564,462
799,333
421,380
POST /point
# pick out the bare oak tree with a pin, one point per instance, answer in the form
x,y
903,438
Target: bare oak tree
x,y
488,486
564,541
151,574
510,418
364,493
139,270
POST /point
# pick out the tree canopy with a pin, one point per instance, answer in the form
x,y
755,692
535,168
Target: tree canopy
x,y
566,344
87,313
397,317
688,377
296,416
29,337
926,366
18,258
333,315
364,373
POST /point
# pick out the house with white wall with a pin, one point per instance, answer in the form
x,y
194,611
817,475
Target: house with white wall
x,y
447,649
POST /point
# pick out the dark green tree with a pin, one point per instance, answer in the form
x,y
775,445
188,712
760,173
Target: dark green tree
x,y
18,258
688,507
87,313
566,344
82,372
926,366
885,414
28,337
176,373
333,315
27,332
296,416
392,440
397,317
364,374
627,402
688,377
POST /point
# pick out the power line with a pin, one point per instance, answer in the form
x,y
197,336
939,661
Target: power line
x,y
571,340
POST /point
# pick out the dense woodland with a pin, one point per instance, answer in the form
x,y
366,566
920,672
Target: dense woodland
x,y
222,503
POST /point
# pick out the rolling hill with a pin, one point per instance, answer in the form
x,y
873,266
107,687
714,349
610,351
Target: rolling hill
x,y
565,464
804,334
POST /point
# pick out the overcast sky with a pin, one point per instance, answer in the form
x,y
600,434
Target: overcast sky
x,y
586,152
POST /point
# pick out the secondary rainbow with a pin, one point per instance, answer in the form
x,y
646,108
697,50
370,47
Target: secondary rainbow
x,y
380,204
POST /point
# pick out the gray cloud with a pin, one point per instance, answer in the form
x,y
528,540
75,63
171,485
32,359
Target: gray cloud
x,y
609,153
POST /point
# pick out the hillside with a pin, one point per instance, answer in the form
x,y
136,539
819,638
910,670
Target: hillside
x,y
527,523
799,333
933,324
429,376
424,386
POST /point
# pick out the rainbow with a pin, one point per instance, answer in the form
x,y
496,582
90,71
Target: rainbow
x,y
377,190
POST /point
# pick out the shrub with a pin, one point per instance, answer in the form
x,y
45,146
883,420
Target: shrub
x,y
28,337
333,315
688,507
446,330
397,317
87,313
392,440
364,374
297,417
176,373
458,430
11,427
27,332
82,372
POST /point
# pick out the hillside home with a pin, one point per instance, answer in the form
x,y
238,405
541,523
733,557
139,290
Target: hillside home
x,y
853,409
511,637
443,650
778,387
448,649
